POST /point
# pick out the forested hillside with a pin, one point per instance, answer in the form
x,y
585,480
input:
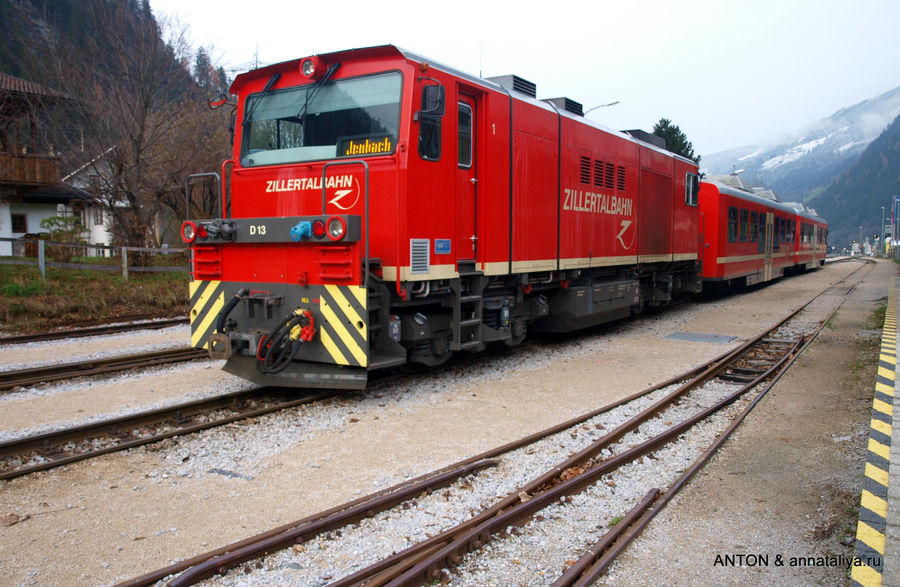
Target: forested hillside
x,y
138,122
855,199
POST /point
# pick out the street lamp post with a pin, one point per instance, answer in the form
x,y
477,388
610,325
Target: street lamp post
x,y
600,106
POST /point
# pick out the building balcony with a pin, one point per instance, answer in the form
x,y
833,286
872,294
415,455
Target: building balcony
x,y
28,170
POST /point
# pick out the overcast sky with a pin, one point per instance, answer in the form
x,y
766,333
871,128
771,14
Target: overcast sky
x,y
729,73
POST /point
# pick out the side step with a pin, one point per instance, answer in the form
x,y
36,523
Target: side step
x,y
468,305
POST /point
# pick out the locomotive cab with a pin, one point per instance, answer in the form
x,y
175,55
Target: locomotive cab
x,y
286,278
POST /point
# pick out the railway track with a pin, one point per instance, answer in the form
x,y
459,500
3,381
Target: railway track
x,y
726,389
54,449
9,380
92,331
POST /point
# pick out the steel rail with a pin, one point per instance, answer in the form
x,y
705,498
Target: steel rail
x,y
317,526
473,534
451,539
154,576
387,568
598,558
92,331
22,377
698,376
179,417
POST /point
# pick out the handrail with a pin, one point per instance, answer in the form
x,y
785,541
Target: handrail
x,y
187,193
324,200
226,187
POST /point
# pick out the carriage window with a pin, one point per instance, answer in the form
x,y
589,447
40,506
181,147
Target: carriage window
x,y
732,224
754,226
745,225
465,135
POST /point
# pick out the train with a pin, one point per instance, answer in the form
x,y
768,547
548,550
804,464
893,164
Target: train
x,y
382,210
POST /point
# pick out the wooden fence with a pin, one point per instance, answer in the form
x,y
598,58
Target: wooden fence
x,y
41,261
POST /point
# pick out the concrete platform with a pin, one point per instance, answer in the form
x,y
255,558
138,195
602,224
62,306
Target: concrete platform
x,y
877,553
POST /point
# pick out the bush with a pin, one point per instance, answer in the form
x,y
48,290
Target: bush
x,y
63,229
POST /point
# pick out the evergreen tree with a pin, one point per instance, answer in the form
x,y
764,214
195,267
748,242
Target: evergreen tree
x,y
676,141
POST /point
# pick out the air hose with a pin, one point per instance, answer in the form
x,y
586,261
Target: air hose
x,y
278,348
226,310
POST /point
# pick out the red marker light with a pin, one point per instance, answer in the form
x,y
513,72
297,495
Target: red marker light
x,y
318,229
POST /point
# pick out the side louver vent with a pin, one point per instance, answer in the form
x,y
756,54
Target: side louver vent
x,y
419,260
585,170
514,82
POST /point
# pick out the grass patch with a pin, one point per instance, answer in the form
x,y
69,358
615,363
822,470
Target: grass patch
x,y
876,320
30,304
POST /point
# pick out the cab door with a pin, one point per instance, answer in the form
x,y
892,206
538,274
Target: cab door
x,y
815,245
770,245
466,178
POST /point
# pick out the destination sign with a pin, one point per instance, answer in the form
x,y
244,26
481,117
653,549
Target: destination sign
x,y
364,146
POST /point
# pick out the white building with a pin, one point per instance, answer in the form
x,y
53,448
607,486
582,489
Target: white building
x,y
30,186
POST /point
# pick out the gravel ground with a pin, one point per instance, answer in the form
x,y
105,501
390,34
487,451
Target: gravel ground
x,y
124,514
59,352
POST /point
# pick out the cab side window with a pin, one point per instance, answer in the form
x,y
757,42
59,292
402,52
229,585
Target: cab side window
x,y
429,118
430,138
691,189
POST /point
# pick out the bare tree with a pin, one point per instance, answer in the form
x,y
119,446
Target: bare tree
x,y
144,124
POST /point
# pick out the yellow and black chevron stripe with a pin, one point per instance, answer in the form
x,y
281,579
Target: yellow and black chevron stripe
x,y
207,299
870,530
344,331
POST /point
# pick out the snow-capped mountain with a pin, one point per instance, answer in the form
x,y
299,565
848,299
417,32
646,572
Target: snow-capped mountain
x,y
799,165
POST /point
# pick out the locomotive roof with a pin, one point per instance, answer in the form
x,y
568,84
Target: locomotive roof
x,y
394,51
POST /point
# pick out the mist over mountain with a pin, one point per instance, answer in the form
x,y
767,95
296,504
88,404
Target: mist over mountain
x,y
799,166
852,203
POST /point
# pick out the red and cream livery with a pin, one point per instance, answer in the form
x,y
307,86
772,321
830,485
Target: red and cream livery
x,y
751,238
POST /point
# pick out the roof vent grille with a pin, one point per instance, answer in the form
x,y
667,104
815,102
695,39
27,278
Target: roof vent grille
x,y
567,104
514,82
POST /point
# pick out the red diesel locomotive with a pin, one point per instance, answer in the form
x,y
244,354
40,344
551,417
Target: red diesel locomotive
x,y
380,209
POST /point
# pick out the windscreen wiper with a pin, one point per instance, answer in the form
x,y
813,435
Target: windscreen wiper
x,y
311,94
248,116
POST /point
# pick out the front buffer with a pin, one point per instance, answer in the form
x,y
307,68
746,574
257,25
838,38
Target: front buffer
x,y
291,335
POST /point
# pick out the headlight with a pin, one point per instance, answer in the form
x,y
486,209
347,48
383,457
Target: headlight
x,y
188,232
336,228
308,67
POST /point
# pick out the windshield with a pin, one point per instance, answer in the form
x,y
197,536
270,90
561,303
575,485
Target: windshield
x,y
345,118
